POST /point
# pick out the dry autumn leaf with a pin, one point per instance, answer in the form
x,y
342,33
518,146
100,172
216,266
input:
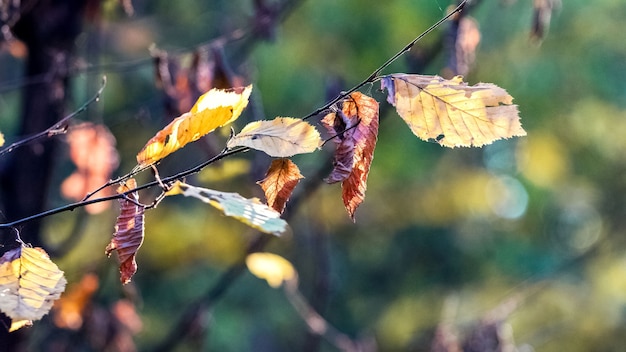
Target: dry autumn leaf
x,y
29,284
281,137
249,211
92,149
451,112
355,148
129,232
214,109
342,127
280,180
271,267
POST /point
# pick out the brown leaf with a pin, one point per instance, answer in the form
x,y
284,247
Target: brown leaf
x,y
280,180
184,77
337,123
362,109
541,18
129,232
92,149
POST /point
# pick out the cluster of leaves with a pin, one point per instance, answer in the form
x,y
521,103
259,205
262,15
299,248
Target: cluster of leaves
x,y
447,111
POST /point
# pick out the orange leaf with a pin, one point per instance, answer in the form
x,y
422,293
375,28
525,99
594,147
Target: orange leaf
x,y
92,149
214,109
129,232
69,311
280,180
359,142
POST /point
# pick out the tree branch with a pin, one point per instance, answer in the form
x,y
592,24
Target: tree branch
x,y
59,127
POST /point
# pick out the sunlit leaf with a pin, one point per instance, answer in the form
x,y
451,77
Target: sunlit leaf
x,y
214,109
451,112
249,211
280,180
355,147
29,284
129,232
271,267
281,137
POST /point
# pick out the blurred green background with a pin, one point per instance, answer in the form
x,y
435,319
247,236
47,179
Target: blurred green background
x,y
526,232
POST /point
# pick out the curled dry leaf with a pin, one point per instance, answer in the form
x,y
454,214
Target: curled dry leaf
x,y
342,127
280,180
249,211
214,109
271,267
92,149
29,284
129,232
355,147
451,112
281,137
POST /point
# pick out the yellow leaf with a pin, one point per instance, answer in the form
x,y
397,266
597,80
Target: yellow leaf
x,y
29,284
249,211
1,139
451,112
271,267
281,137
214,109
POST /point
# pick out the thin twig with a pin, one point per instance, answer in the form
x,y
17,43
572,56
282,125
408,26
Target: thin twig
x,y
375,75
166,180
59,127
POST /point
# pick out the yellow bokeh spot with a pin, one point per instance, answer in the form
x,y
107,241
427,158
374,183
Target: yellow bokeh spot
x,y
224,171
271,267
543,160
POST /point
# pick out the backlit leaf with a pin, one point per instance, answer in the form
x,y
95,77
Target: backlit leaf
x,y
279,182
214,109
249,211
338,124
29,284
129,232
271,267
355,147
281,137
451,112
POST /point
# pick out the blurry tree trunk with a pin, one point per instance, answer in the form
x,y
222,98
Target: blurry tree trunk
x,y
49,29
